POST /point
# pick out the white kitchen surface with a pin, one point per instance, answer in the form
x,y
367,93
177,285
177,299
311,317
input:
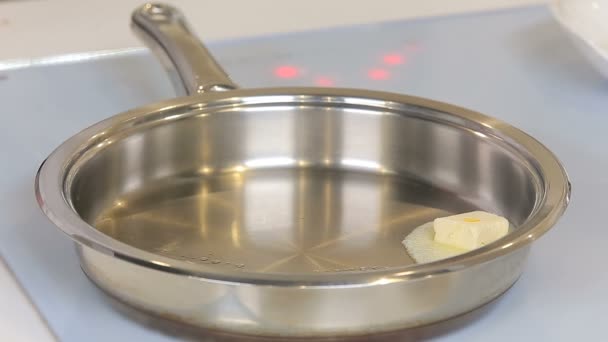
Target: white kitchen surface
x,y
516,65
37,28
19,320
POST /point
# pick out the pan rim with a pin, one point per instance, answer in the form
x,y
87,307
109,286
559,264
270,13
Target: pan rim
x,y
51,178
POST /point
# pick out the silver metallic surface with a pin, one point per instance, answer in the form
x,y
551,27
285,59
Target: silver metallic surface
x,y
191,67
281,211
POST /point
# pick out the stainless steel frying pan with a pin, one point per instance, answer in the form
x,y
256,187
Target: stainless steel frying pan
x,y
281,211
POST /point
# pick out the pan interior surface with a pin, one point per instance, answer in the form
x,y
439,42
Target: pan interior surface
x,y
279,220
294,189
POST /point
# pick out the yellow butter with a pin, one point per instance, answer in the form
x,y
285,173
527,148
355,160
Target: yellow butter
x,y
470,230
421,246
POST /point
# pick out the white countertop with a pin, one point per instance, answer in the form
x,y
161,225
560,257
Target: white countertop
x,y
39,28
20,320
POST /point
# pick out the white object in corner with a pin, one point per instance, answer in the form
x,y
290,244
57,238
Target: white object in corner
x,y
586,21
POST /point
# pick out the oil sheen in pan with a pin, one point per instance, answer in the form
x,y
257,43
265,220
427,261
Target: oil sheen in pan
x,y
291,220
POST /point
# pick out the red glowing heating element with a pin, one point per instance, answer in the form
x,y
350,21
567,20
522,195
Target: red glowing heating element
x,y
393,59
324,81
286,71
378,74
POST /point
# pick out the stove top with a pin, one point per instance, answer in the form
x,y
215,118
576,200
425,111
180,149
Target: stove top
x,y
516,65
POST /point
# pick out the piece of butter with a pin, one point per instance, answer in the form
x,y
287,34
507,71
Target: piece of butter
x,y
470,230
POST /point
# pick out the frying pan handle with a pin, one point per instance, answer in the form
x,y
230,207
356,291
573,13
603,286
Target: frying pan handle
x,y
192,68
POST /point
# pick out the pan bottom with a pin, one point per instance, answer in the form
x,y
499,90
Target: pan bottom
x,y
289,220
